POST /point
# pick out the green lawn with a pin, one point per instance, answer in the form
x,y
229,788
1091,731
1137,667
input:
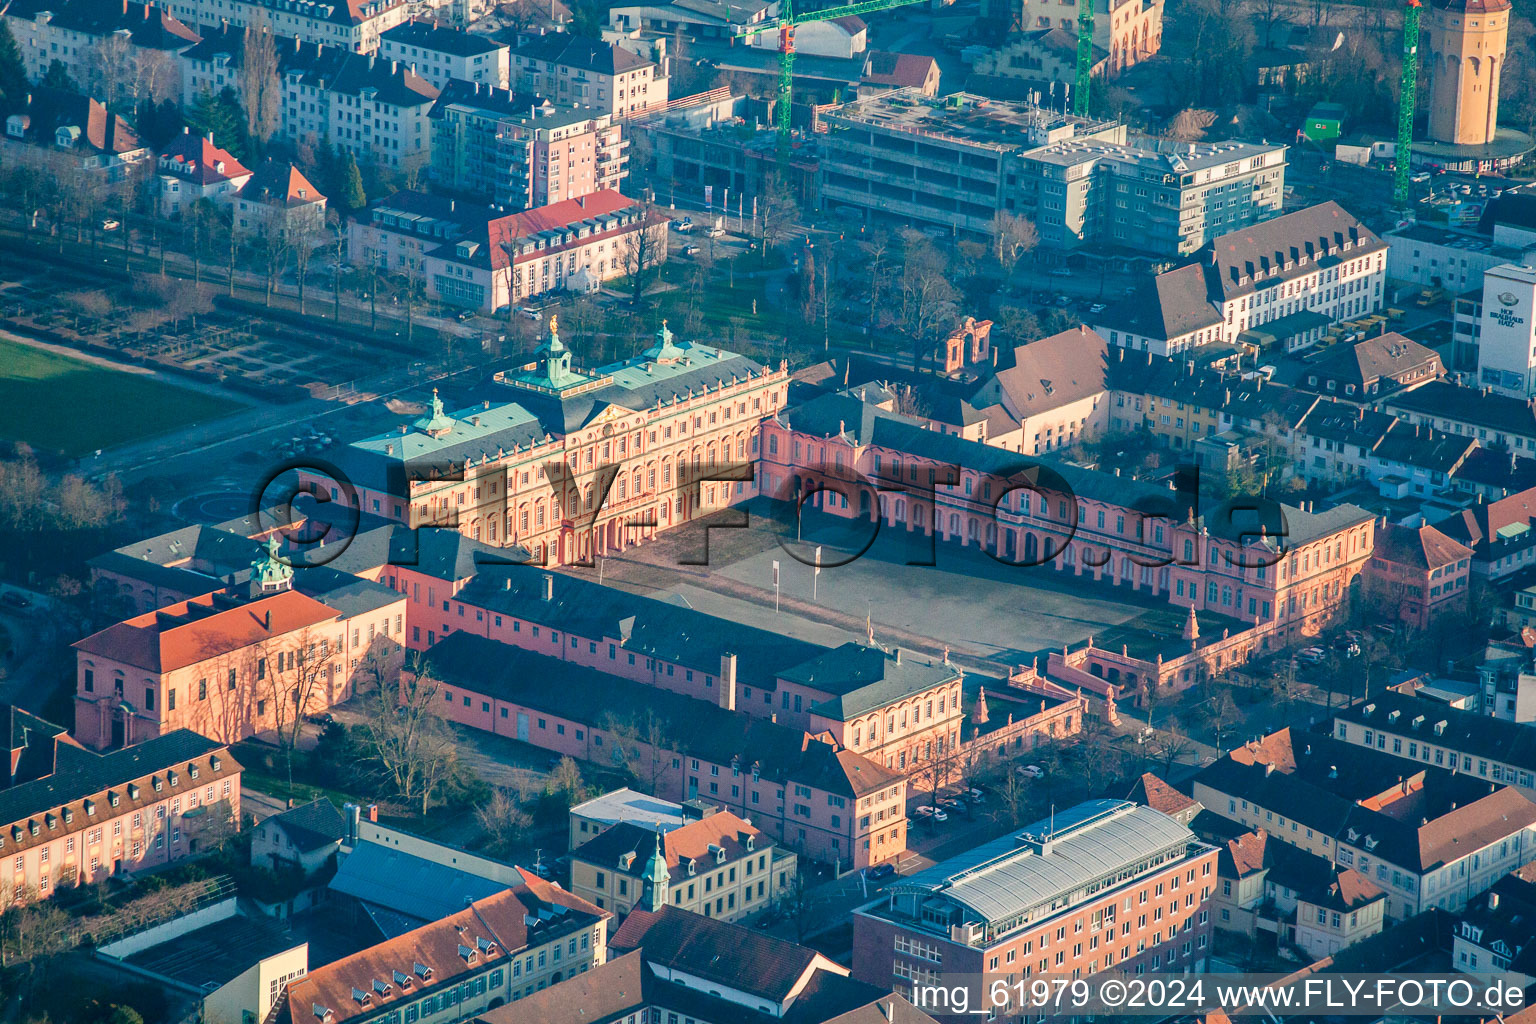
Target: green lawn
x,y
59,404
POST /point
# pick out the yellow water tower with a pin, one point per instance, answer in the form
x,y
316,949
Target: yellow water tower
x,y
1465,62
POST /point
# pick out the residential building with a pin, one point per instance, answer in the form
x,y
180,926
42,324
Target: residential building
x,y
1492,420
576,243
373,108
493,145
116,50
720,866
844,38
1371,369
1160,796
649,415
1168,315
1043,59
1104,885
395,232
1499,533
1455,259
1507,676
592,73
1493,933
233,662
354,26
1418,462
702,19
395,882
1275,284
886,71
305,838
1129,30
1429,839
192,169
1337,442
1267,885
441,53
497,949
1418,729
593,817
1507,332
1419,574
1082,182
1349,910
56,130
1054,390
278,199
71,816
812,795
1172,400
675,964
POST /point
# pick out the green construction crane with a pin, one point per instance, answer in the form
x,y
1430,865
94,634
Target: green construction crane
x,y
786,23
1084,57
1406,101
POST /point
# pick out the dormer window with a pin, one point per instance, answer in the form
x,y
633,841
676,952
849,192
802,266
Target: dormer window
x,y
403,981
323,1013
215,762
112,798
90,808
173,777
383,988
156,783
362,998
423,972
133,794
192,770
468,955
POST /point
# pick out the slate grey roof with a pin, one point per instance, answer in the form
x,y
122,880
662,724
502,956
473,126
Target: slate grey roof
x,y
442,38
311,826
409,885
1170,305
1465,731
1255,258
1009,876
582,53
863,678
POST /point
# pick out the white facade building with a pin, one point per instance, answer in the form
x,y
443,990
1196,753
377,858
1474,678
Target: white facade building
x,y
1506,353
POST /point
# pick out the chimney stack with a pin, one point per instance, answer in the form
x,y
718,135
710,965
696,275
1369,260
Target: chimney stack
x,y
727,696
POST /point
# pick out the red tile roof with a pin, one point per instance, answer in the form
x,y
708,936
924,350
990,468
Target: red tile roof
x,y
390,973
898,69
204,627
1160,796
1423,548
195,158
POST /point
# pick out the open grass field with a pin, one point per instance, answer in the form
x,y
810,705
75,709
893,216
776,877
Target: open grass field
x,y
71,406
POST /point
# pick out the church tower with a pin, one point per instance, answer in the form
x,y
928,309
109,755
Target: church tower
x,y
1466,64
655,880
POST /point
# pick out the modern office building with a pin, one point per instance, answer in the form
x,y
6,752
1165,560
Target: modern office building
x,y
1506,350
1106,884
959,162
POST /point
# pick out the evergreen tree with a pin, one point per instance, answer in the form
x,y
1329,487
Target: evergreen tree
x,y
213,114
158,123
13,74
352,195
57,77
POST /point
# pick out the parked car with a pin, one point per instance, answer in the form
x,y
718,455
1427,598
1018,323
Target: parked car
x,y
950,803
530,313
1311,655
15,600
685,225
323,719
976,796
940,816
1032,771
1061,272
691,250
923,811
717,232
1097,307
879,871
110,225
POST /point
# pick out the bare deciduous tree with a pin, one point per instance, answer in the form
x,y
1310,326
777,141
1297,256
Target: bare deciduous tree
x,y
642,251
413,743
1013,238
261,93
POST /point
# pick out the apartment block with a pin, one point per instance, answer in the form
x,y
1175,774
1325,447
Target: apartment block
x,y
89,37
603,75
1104,885
72,816
441,54
493,145
1507,331
354,26
374,108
